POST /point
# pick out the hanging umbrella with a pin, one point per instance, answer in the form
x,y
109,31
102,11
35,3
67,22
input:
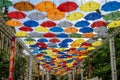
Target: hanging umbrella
x,y
75,16
98,24
75,35
102,35
16,15
24,6
50,44
55,15
74,45
64,24
29,39
100,30
36,16
48,24
45,6
112,16
82,23
33,46
79,41
35,52
62,35
63,45
42,40
111,6
91,40
85,45
29,42
25,28
91,48
114,24
56,29
49,35
90,6
41,29
30,23
54,40
67,6
86,30
21,34
5,3
67,40
97,43
35,34
88,35
71,30
93,16
13,23
41,44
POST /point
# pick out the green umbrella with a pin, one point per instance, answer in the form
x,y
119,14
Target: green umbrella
x,y
29,39
75,35
5,3
112,16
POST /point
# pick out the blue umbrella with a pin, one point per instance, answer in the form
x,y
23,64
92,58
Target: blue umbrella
x,y
64,45
82,23
33,46
93,16
42,40
60,53
31,23
42,48
111,6
56,29
62,35
86,30
67,40
36,51
80,49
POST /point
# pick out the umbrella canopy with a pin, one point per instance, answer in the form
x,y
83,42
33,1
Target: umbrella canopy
x,y
112,16
16,15
62,35
36,16
63,45
114,24
85,44
48,24
111,6
35,34
29,39
50,44
97,43
25,28
75,35
54,40
101,30
93,16
90,6
98,24
82,23
64,24
5,3
41,44
49,35
74,45
75,16
67,40
30,23
71,30
88,35
13,23
56,29
24,6
91,48
21,34
79,41
55,14
67,6
86,30
41,29
29,42
42,40
45,6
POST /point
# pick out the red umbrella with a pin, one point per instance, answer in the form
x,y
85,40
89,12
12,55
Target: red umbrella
x,y
98,24
25,28
49,35
48,24
16,15
39,55
85,44
54,40
67,6
41,44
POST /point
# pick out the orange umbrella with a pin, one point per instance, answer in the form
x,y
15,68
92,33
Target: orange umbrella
x,y
24,6
13,23
55,14
88,35
71,30
75,45
45,6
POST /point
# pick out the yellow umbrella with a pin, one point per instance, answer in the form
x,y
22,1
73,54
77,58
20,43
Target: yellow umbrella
x,y
13,23
97,43
91,48
90,6
29,42
71,30
83,56
79,41
114,24
75,16
61,49
21,34
41,29
74,45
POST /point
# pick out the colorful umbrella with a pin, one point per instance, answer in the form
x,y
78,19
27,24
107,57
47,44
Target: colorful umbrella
x,y
16,15
29,39
67,40
93,16
24,6
91,48
98,24
13,23
49,35
71,30
25,28
82,23
75,35
97,43
55,15
85,44
5,3
114,24
54,40
75,16
86,30
62,35
56,29
41,29
48,24
31,23
36,16
21,34
111,6
45,6
41,44
74,45
63,45
29,42
90,6
42,40
78,41
64,24
50,44
67,6
88,35
33,46
100,30
35,34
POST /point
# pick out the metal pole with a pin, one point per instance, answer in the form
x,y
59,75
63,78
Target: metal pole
x,y
73,74
43,75
113,59
30,68
81,71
